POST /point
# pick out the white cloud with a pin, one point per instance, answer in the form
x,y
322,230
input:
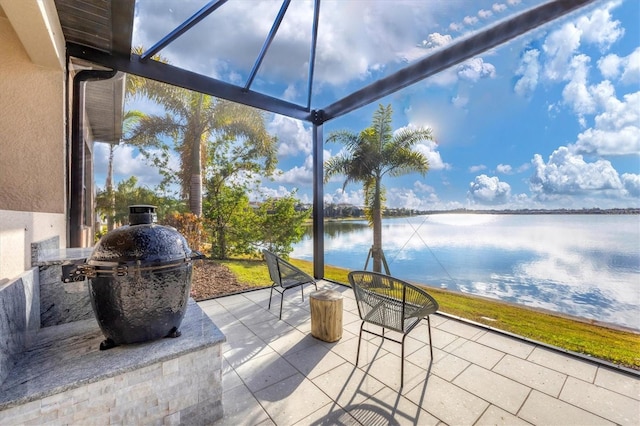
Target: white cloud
x,y
529,69
569,174
558,49
504,169
127,162
262,193
631,183
626,69
339,196
576,93
423,187
499,7
293,137
435,40
478,168
617,128
488,191
484,14
470,20
598,28
474,69
298,175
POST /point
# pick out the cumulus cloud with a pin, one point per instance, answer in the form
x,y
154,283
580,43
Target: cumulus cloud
x,y
631,183
499,7
293,137
477,168
529,71
625,69
569,174
617,128
488,191
435,40
504,169
474,69
127,162
339,196
555,61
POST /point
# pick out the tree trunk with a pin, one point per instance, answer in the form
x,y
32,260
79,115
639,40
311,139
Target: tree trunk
x,y
376,214
111,213
195,187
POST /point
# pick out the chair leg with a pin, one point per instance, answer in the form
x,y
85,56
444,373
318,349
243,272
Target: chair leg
x,y
270,294
402,362
281,302
359,340
430,341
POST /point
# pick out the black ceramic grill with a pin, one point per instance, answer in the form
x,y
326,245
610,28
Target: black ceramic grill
x,y
139,280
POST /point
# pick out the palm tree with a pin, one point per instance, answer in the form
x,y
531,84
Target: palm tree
x,y
370,155
195,122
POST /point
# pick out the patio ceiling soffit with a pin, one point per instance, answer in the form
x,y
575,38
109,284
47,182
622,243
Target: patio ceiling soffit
x,y
455,53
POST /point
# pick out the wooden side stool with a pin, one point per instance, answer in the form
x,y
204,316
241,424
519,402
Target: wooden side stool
x,y
326,315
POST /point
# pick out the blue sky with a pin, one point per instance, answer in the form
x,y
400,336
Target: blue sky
x,y
549,120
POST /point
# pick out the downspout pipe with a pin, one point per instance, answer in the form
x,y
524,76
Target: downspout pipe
x,y
76,190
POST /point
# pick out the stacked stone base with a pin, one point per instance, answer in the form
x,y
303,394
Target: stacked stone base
x,y
63,378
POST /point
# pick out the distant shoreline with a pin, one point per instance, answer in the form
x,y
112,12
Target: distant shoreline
x,y
537,211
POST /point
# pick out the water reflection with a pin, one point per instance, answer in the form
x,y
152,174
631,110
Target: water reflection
x,y
585,265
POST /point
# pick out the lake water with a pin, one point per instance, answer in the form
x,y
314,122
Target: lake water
x,y
582,265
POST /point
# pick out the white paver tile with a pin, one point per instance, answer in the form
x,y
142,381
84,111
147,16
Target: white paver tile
x,y
230,378
603,402
507,344
241,407
314,360
263,371
542,409
447,367
498,390
530,374
442,339
563,363
461,329
397,408
447,402
290,400
386,368
347,385
618,381
238,353
293,341
497,416
329,415
476,353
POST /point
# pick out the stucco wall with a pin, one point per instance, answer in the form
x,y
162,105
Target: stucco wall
x,y
32,154
32,137
17,231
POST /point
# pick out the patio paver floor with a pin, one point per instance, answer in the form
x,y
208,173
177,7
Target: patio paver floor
x,y
276,373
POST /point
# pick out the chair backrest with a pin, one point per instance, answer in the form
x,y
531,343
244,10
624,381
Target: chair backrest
x,y
388,301
272,264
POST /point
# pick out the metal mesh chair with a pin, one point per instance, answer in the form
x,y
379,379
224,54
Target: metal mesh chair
x,y
392,304
285,276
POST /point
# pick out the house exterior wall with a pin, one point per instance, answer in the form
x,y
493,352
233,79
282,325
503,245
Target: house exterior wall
x,y
32,144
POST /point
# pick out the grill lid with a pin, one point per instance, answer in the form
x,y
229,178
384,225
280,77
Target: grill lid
x,y
142,243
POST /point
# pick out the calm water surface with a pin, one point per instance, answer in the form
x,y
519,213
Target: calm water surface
x,y
583,265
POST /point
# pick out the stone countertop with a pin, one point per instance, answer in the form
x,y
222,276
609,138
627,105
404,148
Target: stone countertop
x,y
66,356
59,256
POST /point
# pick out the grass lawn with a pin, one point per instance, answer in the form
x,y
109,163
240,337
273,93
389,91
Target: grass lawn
x,y
616,346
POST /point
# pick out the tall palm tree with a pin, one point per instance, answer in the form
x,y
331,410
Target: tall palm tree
x,y
370,155
195,122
